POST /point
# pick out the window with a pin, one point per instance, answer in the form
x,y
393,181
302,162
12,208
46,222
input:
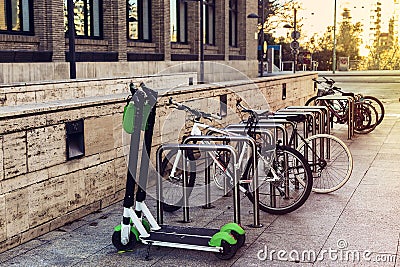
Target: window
x,y
87,18
178,21
139,20
209,22
16,16
233,23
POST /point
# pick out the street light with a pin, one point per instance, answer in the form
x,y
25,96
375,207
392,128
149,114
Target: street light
x,y
294,45
334,40
71,39
201,39
255,16
262,38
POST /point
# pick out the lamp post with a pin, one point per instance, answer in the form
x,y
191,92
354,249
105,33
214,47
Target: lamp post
x,y
294,45
71,39
334,40
255,16
262,39
201,42
201,39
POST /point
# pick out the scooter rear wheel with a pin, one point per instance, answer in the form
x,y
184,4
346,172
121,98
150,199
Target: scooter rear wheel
x,y
228,251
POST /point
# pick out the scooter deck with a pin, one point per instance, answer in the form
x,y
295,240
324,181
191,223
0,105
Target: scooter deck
x,y
182,235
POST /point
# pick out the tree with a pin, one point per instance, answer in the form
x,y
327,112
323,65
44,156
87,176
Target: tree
x,y
321,49
347,44
276,13
348,40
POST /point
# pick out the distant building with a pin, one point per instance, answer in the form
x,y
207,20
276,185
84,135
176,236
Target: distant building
x,y
396,20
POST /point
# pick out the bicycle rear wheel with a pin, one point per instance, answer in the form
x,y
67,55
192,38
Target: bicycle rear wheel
x,y
330,160
173,183
284,185
377,104
365,118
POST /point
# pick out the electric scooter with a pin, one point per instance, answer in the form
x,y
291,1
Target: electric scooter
x,y
138,224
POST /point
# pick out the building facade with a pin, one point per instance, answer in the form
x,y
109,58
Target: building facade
x,y
127,31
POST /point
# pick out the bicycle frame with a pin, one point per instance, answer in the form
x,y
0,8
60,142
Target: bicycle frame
x,y
197,131
343,107
316,159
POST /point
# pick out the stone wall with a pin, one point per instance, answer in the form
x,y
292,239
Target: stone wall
x,y
55,71
40,190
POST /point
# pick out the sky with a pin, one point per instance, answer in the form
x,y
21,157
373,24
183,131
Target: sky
x,y
318,14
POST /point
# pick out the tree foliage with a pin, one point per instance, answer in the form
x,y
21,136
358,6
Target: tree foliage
x,y
348,40
347,44
277,13
384,54
321,48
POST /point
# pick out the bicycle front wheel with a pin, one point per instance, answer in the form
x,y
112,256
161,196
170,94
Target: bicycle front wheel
x,y
330,160
223,170
284,185
173,182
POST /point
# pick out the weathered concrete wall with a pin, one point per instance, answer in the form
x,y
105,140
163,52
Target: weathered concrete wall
x,y
28,72
40,190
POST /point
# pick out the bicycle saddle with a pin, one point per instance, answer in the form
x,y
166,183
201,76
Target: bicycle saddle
x,y
262,113
348,94
296,118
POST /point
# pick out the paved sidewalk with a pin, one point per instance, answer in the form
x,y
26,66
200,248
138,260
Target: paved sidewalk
x,y
362,219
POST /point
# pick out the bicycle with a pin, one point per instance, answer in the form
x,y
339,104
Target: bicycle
x,y
330,160
330,89
285,178
366,115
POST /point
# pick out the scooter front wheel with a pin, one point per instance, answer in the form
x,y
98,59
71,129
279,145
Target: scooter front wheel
x,y
116,240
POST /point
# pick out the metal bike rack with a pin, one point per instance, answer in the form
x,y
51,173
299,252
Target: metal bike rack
x,y
318,115
313,116
253,146
262,128
350,101
291,113
279,121
325,114
185,148
285,113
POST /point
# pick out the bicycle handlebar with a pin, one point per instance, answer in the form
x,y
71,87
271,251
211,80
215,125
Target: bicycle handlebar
x,y
196,113
254,113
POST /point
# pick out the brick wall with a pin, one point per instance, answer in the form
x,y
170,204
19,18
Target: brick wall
x,y
50,36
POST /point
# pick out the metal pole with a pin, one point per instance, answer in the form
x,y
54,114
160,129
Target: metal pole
x,y
295,39
262,40
71,39
201,42
334,40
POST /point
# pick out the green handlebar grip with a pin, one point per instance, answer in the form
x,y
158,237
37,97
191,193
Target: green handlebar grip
x,y
128,119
